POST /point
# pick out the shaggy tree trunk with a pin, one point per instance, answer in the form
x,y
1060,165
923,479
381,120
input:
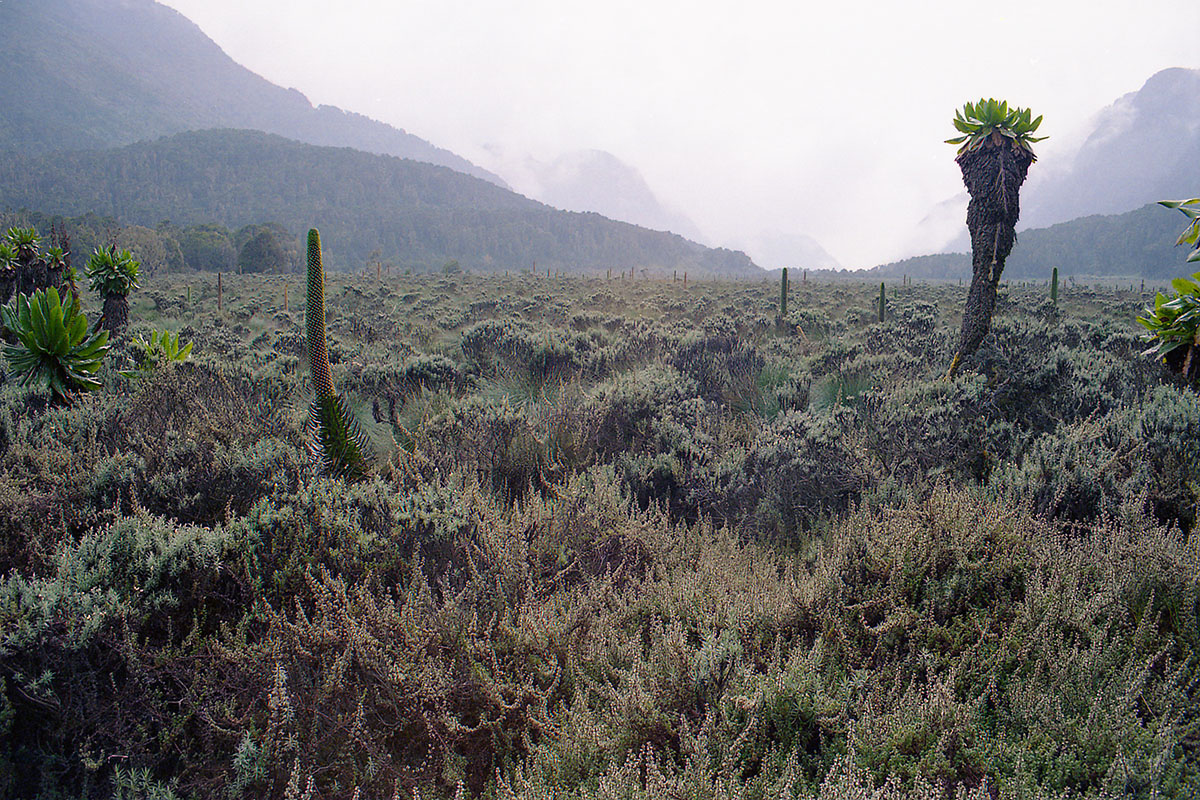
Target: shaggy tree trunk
x,y
116,313
32,274
8,280
1186,361
29,275
993,175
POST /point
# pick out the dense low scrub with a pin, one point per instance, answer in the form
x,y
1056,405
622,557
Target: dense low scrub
x,y
621,540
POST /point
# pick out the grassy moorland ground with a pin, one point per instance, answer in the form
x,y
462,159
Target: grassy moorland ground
x,y
622,541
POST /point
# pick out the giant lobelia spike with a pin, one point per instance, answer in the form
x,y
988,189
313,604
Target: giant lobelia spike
x,y
336,441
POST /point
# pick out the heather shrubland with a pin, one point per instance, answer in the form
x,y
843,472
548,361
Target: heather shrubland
x,y
619,539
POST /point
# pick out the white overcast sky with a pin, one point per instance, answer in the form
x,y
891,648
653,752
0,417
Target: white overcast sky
x,y
824,119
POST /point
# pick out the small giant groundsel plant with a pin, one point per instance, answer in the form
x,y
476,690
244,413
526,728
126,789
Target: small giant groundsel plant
x,y
114,274
1174,326
1173,323
336,441
53,347
160,349
994,155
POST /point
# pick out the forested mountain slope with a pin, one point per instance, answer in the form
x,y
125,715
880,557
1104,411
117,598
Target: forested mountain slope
x,y
417,215
83,74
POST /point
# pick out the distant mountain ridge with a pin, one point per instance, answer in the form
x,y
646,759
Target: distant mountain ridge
x,y
1143,148
418,215
86,74
1138,243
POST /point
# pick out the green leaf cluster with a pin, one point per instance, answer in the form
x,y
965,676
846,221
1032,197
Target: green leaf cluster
x,y
25,241
8,257
1173,322
992,122
56,257
1191,234
53,345
162,347
112,271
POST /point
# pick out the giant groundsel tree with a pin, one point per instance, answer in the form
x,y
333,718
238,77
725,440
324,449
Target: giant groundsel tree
x,y
24,268
995,154
114,274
